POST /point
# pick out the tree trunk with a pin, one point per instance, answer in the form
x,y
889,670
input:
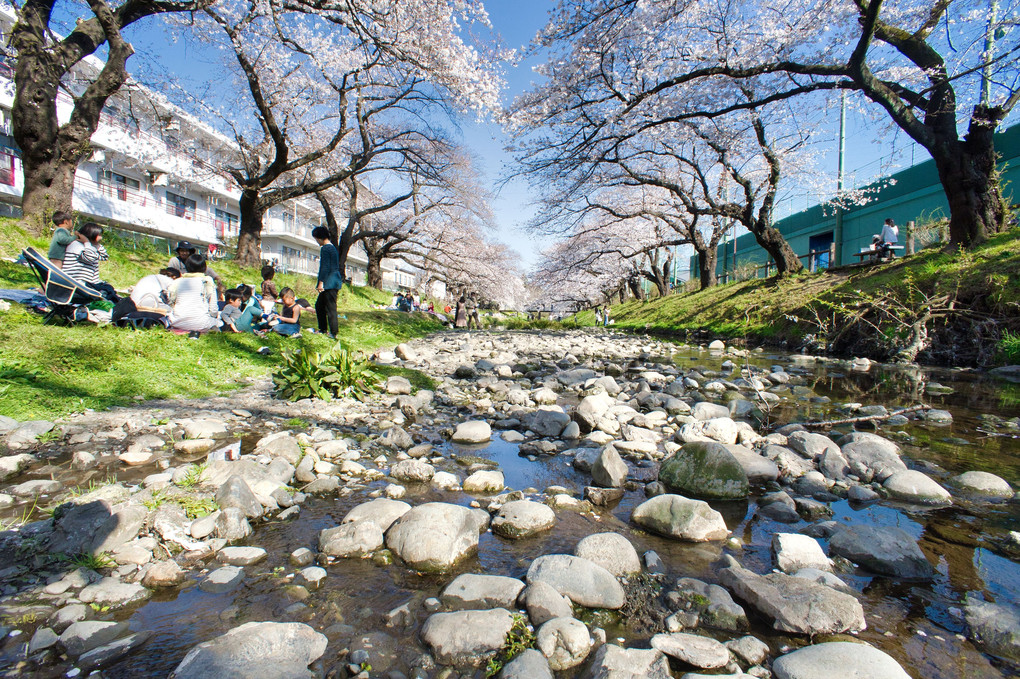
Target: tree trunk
x,y
373,269
249,239
634,283
971,183
772,241
49,184
707,259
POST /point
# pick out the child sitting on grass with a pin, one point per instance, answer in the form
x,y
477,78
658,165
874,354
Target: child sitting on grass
x,y
230,314
290,317
251,313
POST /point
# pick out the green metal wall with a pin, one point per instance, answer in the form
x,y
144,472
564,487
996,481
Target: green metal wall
x,y
915,195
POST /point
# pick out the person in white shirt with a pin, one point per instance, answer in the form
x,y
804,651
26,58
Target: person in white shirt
x,y
147,294
890,236
193,299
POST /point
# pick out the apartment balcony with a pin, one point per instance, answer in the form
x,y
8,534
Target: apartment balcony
x,y
141,211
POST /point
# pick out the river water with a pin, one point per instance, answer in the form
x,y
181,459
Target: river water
x,y
920,624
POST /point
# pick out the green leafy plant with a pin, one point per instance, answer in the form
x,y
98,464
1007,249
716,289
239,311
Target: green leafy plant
x,y
196,507
193,475
520,638
1009,347
51,436
93,562
336,374
296,423
156,500
99,609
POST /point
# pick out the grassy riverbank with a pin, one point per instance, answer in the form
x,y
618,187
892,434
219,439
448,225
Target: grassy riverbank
x,y
969,302
48,371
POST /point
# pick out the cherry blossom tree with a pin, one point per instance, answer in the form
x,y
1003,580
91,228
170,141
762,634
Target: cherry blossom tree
x,y
943,71
46,63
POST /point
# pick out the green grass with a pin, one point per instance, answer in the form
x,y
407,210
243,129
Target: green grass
x,y
49,371
983,279
1009,347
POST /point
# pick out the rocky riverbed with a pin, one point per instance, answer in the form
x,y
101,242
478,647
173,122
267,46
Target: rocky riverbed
x,y
619,506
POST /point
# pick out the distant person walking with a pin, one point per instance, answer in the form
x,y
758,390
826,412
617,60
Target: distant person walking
x,y
605,317
461,318
330,281
472,312
598,316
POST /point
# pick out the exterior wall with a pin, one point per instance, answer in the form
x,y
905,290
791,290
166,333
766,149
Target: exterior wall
x,y
916,195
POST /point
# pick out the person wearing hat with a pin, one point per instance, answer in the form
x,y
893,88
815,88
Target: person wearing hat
x,y
185,250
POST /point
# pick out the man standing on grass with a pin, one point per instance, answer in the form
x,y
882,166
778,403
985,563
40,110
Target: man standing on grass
x,y
330,281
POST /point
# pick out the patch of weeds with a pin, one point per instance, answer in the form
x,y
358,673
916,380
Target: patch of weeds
x,y
520,638
157,500
99,609
93,562
194,475
196,507
93,486
1009,348
338,373
52,436
296,423
20,520
160,422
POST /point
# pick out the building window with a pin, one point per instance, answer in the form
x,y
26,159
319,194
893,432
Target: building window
x,y
117,184
180,206
226,223
6,168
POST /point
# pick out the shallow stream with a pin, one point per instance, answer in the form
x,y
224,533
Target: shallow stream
x,y
920,624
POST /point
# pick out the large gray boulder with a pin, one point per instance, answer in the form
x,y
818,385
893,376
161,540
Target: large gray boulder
x,y
795,604
466,638
916,487
435,536
678,517
566,642
413,471
349,540
609,469
838,659
547,420
996,628
523,518
480,592
583,582
81,637
870,456
95,527
704,469
983,484
473,431
692,649
591,410
543,602
884,550
235,492
809,445
612,551
529,664
380,511
758,468
268,650
615,662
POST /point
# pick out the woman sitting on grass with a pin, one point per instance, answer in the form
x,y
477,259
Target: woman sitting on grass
x,y
192,298
82,257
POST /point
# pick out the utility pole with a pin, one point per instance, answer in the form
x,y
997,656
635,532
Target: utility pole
x,y
989,53
838,235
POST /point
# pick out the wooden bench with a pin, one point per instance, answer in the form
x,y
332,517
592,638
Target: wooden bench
x,y
876,255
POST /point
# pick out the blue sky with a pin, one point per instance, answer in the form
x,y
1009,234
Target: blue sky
x,y
516,22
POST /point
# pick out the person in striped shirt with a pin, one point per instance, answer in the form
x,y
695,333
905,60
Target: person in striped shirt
x,y
82,257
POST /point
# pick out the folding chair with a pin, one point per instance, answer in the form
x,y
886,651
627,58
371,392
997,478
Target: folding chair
x,y
64,293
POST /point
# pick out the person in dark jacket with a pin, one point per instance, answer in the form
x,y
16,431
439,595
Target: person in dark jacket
x,y
331,279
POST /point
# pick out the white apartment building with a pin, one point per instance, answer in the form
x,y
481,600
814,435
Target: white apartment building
x,y
157,170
